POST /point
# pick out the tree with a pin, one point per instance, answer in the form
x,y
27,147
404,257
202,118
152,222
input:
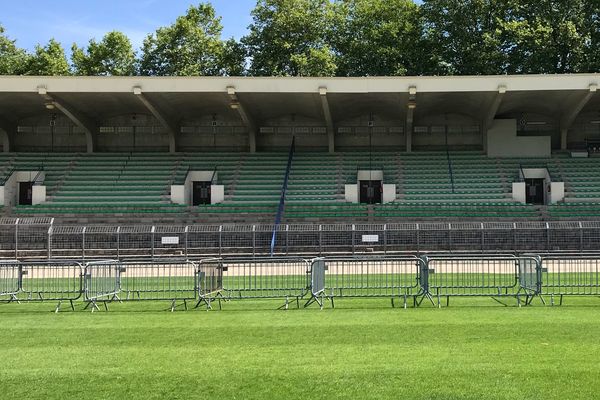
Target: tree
x,y
465,37
13,60
191,46
291,38
48,60
378,37
113,55
548,36
233,59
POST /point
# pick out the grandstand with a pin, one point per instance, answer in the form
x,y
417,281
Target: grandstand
x,y
94,149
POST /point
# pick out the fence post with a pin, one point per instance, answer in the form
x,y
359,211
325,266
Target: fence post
x,y
118,242
580,236
186,241
548,236
83,242
253,240
320,239
220,239
49,242
450,237
384,238
515,246
418,231
152,240
17,238
287,237
482,238
353,237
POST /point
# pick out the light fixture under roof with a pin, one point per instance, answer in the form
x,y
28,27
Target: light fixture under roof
x,y
49,105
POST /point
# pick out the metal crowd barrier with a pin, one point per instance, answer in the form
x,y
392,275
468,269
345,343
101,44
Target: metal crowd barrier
x,y
209,282
9,280
58,281
164,280
570,275
500,277
268,278
489,276
101,283
366,277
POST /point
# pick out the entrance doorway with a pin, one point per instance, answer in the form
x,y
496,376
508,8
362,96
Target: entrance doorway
x,y
370,192
25,193
200,193
534,191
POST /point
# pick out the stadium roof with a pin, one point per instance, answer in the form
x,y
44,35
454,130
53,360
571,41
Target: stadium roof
x,y
90,100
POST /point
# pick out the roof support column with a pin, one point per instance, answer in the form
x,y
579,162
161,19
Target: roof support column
x,y
490,115
410,113
328,119
246,118
570,114
170,125
85,123
8,130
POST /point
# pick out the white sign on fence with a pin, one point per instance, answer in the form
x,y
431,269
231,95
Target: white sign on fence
x,y
169,240
370,238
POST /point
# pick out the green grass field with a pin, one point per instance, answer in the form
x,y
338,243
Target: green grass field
x,y
475,349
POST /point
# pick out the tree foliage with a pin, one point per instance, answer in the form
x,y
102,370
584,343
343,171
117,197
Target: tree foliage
x,y
291,38
345,38
48,60
113,55
13,60
190,46
378,37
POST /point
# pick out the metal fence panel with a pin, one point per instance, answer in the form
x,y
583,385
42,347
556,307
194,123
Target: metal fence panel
x,y
102,281
531,236
51,280
337,238
101,241
498,237
590,236
571,275
491,276
9,280
262,278
8,237
66,241
402,237
434,236
369,238
466,236
157,280
170,241
136,241
203,240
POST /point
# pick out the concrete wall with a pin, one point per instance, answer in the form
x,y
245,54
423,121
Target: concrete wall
x,y
351,193
502,141
389,193
518,192
366,175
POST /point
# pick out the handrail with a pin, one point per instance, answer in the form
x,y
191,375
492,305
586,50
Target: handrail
x,y
212,178
36,180
450,168
7,175
522,176
174,181
280,208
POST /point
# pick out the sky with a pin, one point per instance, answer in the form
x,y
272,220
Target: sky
x,y
77,21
